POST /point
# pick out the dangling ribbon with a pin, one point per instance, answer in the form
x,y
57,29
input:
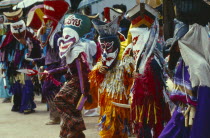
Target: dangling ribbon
x,y
57,83
83,98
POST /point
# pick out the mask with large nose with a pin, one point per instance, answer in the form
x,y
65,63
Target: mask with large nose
x,y
110,48
109,41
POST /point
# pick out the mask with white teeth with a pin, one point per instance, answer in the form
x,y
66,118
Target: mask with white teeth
x,y
65,43
109,41
75,26
110,46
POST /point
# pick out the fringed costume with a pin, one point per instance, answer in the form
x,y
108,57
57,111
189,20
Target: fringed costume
x,y
49,28
191,91
113,87
149,111
17,43
67,99
70,99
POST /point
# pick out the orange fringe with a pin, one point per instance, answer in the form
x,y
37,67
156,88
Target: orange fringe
x,y
95,79
115,116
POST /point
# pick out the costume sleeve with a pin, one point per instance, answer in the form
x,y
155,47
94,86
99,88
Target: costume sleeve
x,y
59,70
85,70
40,61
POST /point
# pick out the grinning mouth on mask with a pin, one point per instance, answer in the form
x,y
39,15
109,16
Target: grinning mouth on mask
x,y
66,42
109,58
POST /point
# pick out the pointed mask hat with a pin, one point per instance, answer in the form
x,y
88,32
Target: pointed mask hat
x,y
17,26
109,41
54,10
75,26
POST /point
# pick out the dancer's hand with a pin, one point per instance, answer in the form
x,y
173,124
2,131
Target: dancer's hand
x,y
103,69
44,74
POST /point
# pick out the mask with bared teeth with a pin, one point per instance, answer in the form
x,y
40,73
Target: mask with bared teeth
x,y
75,26
109,41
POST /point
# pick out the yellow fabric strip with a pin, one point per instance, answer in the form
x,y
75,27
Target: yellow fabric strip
x,y
137,114
155,112
183,89
125,43
40,14
148,113
141,115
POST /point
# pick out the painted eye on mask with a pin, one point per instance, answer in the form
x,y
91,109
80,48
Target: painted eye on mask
x,y
67,36
18,27
66,40
107,46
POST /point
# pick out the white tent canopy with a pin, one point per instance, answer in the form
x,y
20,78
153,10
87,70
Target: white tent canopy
x,y
8,3
26,3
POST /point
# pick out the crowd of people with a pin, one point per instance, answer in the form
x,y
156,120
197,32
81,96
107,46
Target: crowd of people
x,y
119,67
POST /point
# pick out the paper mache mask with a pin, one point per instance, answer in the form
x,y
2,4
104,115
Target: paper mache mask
x,y
75,26
109,41
18,29
54,10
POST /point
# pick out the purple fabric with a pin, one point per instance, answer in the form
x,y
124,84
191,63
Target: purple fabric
x,y
16,90
27,102
183,80
80,76
175,127
201,125
39,61
49,88
81,81
58,70
52,55
17,57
